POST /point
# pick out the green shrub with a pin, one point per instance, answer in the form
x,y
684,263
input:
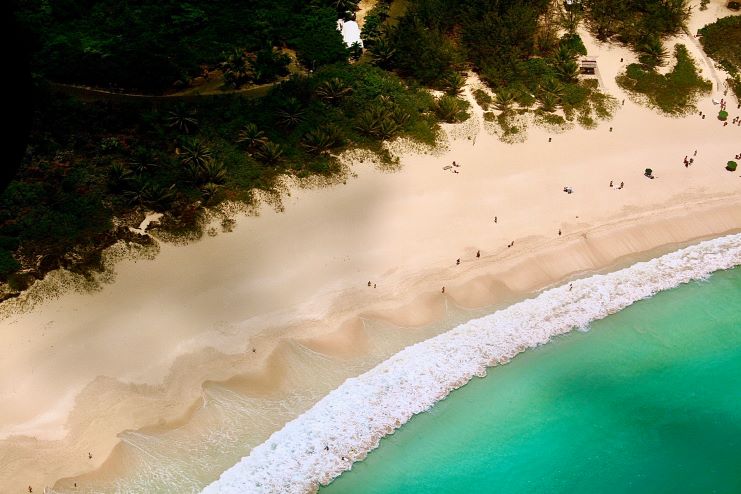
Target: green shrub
x,y
483,99
674,92
731,166
722,115
8,264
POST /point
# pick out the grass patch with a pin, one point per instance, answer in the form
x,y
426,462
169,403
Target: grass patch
x,y
674,93
483,99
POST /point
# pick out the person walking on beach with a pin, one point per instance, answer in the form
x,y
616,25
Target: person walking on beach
x,y
610,183
559,232
369,283
495,219
458,261
30,489
478,254
443,289
622,184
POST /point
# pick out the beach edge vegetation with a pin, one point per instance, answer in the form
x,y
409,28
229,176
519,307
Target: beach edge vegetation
x,y
288,100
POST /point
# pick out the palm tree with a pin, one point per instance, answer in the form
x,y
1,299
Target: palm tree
x,y
382,53
653,53
195,155
387,128
552,87
236,69
141,164
503,100
454,84
568,71
317,141
212,172
118,177
270,153
400,116
367,122
151,194
548,102
291,113
332,90
209,191
570,18
182,119
448,108
251,135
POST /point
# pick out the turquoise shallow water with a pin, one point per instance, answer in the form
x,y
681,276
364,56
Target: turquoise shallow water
x,y
649,400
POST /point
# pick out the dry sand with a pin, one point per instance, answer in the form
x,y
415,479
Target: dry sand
x,y
78,369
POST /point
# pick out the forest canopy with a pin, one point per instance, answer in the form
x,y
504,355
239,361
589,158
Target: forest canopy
x,y
150,45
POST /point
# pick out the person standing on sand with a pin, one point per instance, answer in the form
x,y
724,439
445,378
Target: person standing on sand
x,y
610,183
458,261
369,283
495,219
478,254
443,289
559,232
622,184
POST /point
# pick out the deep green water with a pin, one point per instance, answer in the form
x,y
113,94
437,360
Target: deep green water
x,y
649,400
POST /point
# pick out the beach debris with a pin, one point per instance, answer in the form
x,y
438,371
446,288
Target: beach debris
x,y
568,190
447,167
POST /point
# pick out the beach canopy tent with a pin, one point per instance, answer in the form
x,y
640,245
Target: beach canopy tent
x,y
350,32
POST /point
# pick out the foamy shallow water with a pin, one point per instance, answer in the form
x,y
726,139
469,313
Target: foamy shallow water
x,y
351,420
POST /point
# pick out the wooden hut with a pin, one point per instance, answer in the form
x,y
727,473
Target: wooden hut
x,y
588,65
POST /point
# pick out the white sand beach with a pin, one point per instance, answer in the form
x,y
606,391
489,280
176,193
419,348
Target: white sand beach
x,y
80,368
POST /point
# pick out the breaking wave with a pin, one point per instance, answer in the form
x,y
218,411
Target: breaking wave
x,y
349,422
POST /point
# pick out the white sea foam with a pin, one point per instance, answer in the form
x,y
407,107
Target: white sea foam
x,y
352,419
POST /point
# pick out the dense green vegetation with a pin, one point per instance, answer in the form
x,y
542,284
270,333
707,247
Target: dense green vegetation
x,y
721,40
150,45
635,22
674,92
92,168
176,158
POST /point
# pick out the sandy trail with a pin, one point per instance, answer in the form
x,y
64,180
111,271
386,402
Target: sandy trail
x,y
81,368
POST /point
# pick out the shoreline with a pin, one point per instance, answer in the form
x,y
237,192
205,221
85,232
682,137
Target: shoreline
x,y
325,441
503,286
143,350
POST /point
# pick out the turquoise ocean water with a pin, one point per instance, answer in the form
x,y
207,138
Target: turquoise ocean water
x,y
648,400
